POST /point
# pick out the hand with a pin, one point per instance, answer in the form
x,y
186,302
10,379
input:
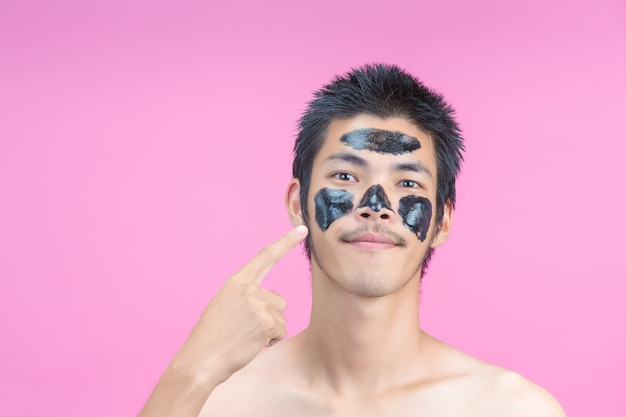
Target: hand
x,y
241,318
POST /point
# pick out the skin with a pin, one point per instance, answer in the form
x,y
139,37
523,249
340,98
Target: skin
x,y
364,353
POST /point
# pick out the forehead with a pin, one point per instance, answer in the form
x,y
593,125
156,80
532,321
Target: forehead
x,y
403,139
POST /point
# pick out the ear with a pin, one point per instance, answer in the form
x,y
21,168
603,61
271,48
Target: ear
x,y
292,202
443,229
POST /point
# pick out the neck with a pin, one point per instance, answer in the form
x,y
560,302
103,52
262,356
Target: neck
x,y
362,344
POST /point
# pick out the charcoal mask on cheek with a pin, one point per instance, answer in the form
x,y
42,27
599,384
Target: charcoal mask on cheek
x,y
416,212
330,205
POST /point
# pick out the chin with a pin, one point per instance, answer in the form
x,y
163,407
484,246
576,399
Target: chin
x,y
370,284
371,278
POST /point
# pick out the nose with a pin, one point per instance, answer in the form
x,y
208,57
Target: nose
x,y
374,202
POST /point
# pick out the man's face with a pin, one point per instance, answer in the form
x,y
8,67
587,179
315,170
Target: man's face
x,y
372,204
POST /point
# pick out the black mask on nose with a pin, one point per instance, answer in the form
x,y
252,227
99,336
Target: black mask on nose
x,y
376,199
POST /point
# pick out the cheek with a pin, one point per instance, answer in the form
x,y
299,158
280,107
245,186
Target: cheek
x,y
416,212
330,205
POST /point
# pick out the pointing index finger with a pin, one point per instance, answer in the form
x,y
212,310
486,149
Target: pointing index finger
x,y
259,266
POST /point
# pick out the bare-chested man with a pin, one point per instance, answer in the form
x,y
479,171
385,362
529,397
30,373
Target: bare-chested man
x,y
373,193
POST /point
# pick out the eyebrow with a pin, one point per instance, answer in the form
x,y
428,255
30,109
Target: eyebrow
x,y
348,157
413,167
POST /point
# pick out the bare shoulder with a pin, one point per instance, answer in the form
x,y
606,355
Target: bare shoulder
x,y
455,384
501,392
517,396
230,397
264,384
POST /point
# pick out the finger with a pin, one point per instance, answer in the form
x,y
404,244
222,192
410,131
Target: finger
x,y
273,299
280,322
273,325
280,331
257,268
272,342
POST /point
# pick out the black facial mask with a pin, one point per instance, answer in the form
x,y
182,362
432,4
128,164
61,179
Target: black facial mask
x,y
381,141
376,199
330,205
416,212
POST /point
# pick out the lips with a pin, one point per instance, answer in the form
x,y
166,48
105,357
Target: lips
x,y
373,238
372,241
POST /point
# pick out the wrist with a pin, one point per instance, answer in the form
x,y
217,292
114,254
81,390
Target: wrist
x,y
181,391
203,374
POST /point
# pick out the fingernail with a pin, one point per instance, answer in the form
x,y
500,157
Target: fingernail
x,y
300,230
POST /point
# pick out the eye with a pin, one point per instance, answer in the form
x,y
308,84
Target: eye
x,y
410,184
344,176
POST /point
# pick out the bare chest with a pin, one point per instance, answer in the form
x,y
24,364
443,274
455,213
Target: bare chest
x,y
431,403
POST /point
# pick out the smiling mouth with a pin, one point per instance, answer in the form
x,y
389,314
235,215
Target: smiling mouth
x,y
370,240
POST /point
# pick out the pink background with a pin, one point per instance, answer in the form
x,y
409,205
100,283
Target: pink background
x,y
145,147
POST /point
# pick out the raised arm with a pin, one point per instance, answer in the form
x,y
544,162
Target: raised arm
x,y
237,323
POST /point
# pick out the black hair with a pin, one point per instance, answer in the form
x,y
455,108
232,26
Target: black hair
x,y
383,91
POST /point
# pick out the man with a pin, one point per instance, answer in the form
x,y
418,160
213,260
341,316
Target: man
x,y
374,171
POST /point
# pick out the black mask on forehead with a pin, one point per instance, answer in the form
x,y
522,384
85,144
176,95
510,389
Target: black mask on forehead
x,y
415,211
381,141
